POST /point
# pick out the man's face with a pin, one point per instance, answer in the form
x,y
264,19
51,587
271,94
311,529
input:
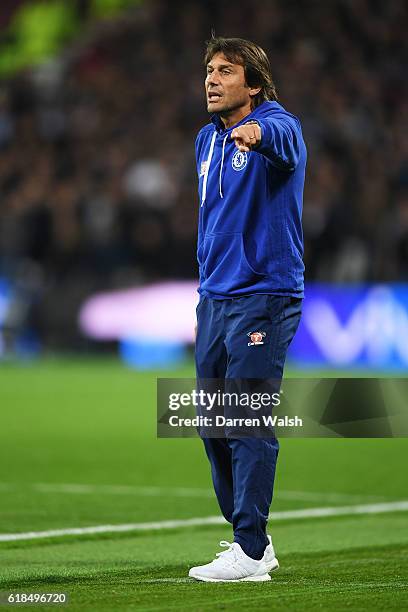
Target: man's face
x,y
225,86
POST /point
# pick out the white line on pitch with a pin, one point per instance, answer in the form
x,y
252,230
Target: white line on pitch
x,y
398,506
125,490
328,497
87,489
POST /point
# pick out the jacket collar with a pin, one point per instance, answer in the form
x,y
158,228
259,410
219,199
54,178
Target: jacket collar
x,y
219,126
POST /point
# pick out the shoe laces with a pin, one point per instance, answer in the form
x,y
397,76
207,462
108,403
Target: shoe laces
x,y
229,555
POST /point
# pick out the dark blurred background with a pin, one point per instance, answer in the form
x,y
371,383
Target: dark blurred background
x,y
100,102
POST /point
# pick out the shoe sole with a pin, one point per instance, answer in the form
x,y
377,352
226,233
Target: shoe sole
x,y
273,565
263,578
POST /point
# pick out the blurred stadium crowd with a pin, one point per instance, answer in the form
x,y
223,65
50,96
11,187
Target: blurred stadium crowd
x,y
97,178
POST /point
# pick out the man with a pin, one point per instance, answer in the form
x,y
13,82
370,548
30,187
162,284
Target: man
x,y
251,164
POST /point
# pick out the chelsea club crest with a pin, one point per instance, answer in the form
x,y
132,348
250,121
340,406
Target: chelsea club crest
x,y
239,160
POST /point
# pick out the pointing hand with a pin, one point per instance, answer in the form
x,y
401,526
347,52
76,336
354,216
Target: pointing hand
x,y
247,136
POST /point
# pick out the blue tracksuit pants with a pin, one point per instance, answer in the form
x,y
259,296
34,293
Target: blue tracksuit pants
x,y
243,469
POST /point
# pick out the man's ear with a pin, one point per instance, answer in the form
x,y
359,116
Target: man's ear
x,y
253,91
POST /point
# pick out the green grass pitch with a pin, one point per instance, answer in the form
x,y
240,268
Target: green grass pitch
x,y
92,423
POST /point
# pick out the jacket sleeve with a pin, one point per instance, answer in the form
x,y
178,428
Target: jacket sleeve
x,y
281,141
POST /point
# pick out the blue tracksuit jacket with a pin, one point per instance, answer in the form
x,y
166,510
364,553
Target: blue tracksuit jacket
x,y
250,233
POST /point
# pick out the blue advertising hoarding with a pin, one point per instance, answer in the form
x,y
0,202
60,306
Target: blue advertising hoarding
x,y
342,327
353,326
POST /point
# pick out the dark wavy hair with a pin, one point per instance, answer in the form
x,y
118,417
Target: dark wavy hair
x,y
252,58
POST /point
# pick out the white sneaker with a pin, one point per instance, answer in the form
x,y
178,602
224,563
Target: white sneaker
x,y
269,558
231,565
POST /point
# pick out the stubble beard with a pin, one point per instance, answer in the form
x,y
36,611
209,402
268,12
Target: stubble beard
x,y
226,111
